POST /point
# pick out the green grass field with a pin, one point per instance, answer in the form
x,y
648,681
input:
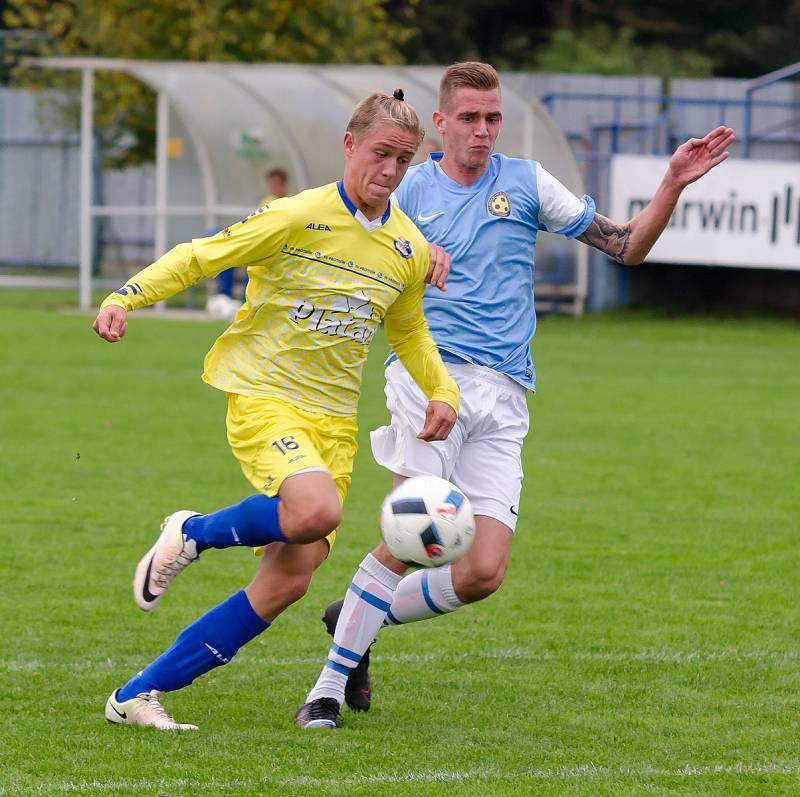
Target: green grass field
x,y
645,641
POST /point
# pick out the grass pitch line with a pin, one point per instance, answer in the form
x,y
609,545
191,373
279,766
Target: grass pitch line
x,y
584,772
509,654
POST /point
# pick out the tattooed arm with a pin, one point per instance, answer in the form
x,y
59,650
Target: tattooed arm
x,y
629,243
608,236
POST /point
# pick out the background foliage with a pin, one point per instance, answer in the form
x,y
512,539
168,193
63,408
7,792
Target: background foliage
x,y
670,38
299,31
726,38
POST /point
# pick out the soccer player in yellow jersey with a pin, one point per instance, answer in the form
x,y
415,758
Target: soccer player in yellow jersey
x,y
326,267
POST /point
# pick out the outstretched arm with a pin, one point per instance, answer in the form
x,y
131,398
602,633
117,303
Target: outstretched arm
x,y
170,274
251,240
629,243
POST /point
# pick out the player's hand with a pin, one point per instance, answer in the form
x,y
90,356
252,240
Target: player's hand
x,y
440,418
699,155
111,323
439,267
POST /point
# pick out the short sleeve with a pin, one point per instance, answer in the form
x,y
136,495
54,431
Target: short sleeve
x,y
560,211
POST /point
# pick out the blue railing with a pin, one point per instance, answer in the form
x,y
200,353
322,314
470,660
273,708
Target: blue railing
x,y
670,109
752,86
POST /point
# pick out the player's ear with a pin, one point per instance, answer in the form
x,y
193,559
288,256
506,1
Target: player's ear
x,y
438,122
349,143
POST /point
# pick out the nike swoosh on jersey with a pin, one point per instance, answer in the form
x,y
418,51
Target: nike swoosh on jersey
x,y
423,219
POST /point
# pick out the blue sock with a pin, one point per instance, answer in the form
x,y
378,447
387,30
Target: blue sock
x,y
210,641
252,522
225,281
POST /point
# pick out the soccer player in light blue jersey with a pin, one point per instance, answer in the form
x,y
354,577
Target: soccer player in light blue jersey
x,y
485,210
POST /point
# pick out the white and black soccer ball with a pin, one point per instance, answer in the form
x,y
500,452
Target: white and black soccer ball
x,y
222,306
427,522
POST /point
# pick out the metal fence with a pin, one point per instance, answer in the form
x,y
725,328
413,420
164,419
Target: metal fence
x,y
600,116
39,203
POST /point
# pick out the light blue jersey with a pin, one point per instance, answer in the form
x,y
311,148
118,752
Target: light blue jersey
x,y
489,229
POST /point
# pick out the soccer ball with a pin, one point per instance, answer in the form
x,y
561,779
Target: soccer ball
x,y
427,522
222,306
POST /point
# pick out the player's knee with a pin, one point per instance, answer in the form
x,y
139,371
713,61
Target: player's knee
x,y
284,590
481,581
484,587
312,520
296,587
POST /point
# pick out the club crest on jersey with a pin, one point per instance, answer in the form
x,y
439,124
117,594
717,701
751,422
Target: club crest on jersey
x,y
403,247
499,204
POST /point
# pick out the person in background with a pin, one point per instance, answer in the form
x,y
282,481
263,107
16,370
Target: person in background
x,y
223,304
428,147
278,185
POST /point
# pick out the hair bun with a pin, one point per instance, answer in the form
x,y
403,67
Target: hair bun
x,y
399,95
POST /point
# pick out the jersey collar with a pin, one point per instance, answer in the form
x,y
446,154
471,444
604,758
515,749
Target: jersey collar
x,y
453,185
368,225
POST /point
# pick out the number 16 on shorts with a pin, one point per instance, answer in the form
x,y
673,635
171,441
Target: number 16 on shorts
x,y
286,444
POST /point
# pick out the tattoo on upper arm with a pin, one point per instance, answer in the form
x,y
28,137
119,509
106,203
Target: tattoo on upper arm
x,y
608,237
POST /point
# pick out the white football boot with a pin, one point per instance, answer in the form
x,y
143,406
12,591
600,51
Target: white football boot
x,y
146,710
171,554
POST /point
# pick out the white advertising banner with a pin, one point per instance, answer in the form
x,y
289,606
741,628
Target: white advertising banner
x,y
742,213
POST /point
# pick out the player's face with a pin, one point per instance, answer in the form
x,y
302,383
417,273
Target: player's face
x,y
276,186
375,163
470,126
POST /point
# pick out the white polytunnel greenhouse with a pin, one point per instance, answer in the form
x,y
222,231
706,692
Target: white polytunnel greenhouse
x,y
221,125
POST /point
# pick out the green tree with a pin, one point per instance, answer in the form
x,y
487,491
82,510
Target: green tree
x,y
739,38
503,32
729,38
299,31
602,50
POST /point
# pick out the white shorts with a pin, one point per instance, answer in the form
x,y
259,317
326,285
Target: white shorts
x,y
483,454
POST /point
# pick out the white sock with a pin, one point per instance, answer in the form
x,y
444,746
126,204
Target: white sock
x,y
422,594
363,612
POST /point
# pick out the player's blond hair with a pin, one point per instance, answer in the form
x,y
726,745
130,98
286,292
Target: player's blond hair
x,y
467,74
379,109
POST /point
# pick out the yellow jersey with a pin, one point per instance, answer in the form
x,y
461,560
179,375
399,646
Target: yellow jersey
x,y
321,280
